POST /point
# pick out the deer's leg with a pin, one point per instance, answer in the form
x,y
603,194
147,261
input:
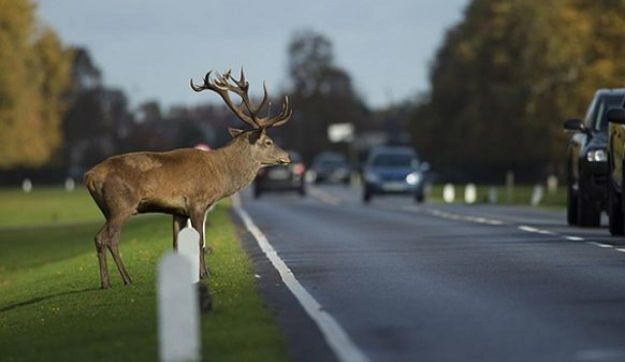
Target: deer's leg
x,y
206,222
115,229
178,224
197,221
100,242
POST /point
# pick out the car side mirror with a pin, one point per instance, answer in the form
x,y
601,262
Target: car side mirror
x,y
574,124
616,115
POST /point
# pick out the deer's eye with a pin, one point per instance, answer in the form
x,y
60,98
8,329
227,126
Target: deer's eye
x,y
268,143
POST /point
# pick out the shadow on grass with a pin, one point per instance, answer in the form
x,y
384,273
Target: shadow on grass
x,y
40,299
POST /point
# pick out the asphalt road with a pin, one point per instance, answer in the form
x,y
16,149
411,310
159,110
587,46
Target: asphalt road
x,y
438,282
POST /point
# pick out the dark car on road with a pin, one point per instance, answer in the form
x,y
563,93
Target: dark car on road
x,y
587,161
330,167
616,158
282,178
393,170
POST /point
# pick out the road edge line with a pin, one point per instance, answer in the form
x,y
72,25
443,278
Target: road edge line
x,y
336,337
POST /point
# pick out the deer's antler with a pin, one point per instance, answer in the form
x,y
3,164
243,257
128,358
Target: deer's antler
x,y
247,112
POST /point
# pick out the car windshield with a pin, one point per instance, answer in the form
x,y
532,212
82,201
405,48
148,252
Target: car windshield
x,y
394,160
600,119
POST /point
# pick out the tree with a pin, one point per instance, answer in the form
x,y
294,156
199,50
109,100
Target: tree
x,y
33,79
97,119
321,92
507,76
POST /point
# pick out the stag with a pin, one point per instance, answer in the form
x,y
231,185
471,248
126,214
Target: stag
x,y
185,183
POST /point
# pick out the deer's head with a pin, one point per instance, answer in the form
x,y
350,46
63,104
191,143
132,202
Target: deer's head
x,y
262,147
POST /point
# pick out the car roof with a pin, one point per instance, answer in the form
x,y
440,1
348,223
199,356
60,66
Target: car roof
x,y
610,92
393,149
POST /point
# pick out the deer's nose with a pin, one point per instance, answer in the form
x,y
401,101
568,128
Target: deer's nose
x,y
285,160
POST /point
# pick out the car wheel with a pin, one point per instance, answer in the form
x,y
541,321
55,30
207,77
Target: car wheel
x,y
615,211
571,206
419,197
366,196
588,212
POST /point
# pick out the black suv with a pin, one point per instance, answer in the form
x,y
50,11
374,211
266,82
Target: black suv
x,y
616,158
587,166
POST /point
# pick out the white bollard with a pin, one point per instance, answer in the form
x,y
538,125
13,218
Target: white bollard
x,y
492,195
509,186
27,185
448,193
470,193
178,310
189,247
537,195
70,185
552,184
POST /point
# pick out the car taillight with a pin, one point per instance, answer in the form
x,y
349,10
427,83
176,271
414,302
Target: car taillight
x,y
299,169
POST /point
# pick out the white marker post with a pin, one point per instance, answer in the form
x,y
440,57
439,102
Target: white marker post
x,y
537,195
449,194
189,247
492,195
70,185
27,185
552,184
470,193
178,310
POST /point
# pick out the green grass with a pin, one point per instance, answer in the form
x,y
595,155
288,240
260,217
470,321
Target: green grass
x,y
521,195
51,308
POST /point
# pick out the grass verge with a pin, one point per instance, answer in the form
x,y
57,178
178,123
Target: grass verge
x,y
51,308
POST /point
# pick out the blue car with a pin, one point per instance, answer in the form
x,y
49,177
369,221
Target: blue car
x,y
393,170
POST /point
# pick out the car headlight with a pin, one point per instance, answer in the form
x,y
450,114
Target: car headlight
x,y
597,156
371,177
413,178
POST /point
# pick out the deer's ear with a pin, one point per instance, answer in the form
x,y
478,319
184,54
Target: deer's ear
x,y
234,131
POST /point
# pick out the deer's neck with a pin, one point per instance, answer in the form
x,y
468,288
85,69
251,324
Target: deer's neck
x,y
239,167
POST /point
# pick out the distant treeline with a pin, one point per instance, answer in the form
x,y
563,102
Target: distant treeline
x,y
506,77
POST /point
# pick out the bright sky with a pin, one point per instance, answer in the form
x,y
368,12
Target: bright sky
x,y
150,48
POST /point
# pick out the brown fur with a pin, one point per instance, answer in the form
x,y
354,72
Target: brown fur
x,y
184,183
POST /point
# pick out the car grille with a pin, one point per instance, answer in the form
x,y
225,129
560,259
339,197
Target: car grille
x,y
600,178
393,178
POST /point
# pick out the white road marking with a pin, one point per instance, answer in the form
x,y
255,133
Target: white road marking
x,y
529,229
336,337
331,199
601,245
526,228
450,216
573,238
